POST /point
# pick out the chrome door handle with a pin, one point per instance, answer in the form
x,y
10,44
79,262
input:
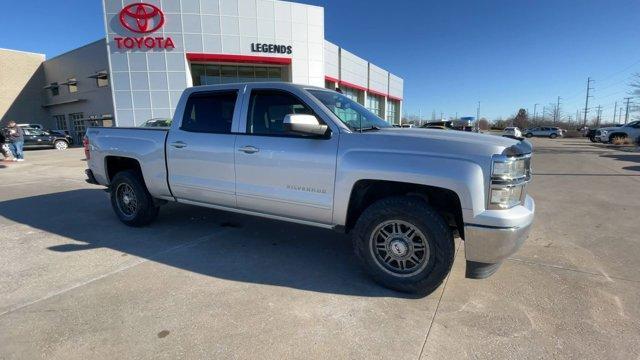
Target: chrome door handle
x,y
249,150
179,145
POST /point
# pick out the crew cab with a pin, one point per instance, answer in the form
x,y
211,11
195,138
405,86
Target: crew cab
x,y
313,156
629,131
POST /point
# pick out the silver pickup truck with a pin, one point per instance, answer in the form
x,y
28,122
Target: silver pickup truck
x,y
313,156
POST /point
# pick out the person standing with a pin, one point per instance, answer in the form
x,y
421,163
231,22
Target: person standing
x,y
16,141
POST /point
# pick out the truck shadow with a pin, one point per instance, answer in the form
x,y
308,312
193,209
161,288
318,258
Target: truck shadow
x,y
205,241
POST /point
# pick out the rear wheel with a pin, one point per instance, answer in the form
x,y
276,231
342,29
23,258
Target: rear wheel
x,y
553,136
593,139
529,135
404,244
131,200
60,145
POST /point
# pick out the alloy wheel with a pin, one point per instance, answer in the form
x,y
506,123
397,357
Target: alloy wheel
x,y
399,248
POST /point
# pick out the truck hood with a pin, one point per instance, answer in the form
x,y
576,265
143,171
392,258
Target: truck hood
x,y
448,142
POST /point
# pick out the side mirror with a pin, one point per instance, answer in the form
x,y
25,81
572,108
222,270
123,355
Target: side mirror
x,y
304,124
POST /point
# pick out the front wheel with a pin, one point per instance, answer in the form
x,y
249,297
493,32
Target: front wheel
x,y
404,244
131,200
553,136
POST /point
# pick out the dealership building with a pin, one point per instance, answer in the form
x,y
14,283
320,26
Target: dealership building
x,y
155,49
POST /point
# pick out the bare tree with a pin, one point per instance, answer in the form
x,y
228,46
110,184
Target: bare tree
x,y
522,119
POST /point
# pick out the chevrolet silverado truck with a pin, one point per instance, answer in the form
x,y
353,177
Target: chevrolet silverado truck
x,y
313,156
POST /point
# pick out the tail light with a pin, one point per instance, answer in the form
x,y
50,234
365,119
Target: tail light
x,y
85,144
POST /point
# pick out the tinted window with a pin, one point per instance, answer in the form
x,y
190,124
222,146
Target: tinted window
x,y
209,112
268,109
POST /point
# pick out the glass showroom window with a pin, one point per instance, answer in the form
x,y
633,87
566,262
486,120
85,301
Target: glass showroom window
x,y
374,104
223,74
392,111
353,94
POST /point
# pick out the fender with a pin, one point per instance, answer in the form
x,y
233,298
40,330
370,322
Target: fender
x,y
461,176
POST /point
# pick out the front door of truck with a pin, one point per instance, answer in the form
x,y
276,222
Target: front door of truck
x,y
280,173
201,149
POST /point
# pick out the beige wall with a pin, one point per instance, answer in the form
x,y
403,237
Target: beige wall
x,y
21,87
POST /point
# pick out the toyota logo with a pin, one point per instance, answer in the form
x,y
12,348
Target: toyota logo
x,y
142,18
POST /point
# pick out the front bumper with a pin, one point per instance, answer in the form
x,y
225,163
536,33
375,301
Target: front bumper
x,y
488,242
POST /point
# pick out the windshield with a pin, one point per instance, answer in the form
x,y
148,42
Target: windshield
x,y
352,114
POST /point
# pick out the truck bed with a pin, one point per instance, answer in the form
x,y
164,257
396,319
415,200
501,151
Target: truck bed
x,y
144,145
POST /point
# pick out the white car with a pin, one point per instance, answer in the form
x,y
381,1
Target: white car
x,y
513,131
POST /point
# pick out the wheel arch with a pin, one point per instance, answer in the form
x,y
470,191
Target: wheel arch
x,y
365,192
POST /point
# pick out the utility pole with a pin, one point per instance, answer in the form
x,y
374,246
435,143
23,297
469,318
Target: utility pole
x,y
626,114
599,114
586,103
544,112
556,112
535,111
615,110
478,112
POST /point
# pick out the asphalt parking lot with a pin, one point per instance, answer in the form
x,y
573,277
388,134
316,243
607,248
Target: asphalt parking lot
x,y
75,283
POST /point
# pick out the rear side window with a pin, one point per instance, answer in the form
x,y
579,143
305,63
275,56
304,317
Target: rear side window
x,y
268,108
210,112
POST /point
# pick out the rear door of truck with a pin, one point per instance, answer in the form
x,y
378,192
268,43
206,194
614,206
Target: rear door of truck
x,y
201,145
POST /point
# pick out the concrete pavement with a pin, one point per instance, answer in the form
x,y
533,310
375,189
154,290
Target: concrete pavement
x,y
199,283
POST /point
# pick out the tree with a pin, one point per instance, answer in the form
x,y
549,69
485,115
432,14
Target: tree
x,y
522,119
483,124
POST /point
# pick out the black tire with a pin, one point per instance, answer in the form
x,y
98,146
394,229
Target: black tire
x,y
437,235
60,145
553,136
529,135
144,211
593,139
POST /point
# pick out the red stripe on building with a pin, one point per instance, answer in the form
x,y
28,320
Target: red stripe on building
x,y
239,59
395,98
377,93
332,79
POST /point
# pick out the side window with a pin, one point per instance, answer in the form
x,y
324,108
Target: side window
x,y
209,112
268,108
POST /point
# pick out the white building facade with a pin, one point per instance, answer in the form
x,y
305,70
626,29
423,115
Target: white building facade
x,y
157,48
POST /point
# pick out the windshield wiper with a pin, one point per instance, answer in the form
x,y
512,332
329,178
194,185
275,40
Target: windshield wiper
x,y
370,128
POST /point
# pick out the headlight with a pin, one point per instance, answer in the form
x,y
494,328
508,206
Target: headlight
x,y
509,168
506,197
603,132
509,176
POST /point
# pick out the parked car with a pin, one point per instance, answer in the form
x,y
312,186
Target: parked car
x,y
543,131
313,156
159,122
37,138
610,134
512,131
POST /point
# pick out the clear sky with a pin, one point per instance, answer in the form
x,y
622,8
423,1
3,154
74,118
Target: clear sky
x,y
507,54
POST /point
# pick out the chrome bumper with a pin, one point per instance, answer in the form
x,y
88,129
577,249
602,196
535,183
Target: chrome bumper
x,y
486,246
